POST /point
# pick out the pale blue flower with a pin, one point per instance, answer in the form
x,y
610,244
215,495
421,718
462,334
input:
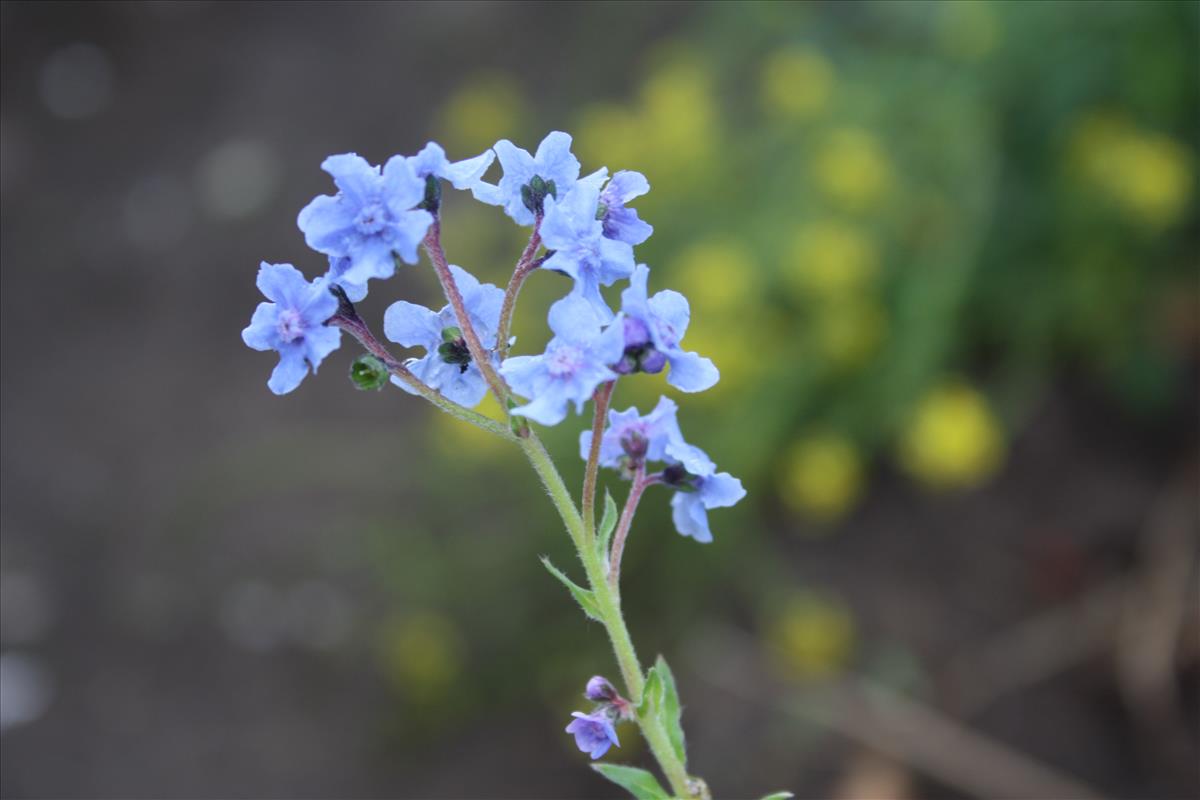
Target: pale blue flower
x,y
594,733
554,165
699,487
574,364
653,329
635,437
447,365
581,250
372,220
622,223
336,276
463,174
293,324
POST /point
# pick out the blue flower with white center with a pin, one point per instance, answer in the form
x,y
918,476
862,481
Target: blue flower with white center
x,y
293,324
632,438
581,250
465,174
594,733
653,329
575,362
372,220
528,180
447,365
622,223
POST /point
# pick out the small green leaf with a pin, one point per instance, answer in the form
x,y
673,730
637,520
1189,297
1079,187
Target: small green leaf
x,y
608,523
586,600
651,694
638,782
670,712
785,795
368,372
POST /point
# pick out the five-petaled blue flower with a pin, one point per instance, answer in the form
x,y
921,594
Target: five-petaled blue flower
x,y
699,487
293,323
581,250
653,437
594,733
372,220
447,366
622,223
463,174
575,362
653,329
554,167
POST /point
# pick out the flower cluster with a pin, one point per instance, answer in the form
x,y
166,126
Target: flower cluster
x,y
378,220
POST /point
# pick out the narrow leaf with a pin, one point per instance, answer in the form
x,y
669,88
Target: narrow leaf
x,y
651,694
586,600
785,795
638,782
671,712
608,524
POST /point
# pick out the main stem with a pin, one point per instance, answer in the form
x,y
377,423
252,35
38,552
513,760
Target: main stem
x,y
609,606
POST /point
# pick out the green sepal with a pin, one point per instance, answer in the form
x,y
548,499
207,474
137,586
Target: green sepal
x,y
638,782
368,372
608,524
451,334
586,600
660,700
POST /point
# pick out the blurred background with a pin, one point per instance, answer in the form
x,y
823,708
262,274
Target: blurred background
x,y
944,254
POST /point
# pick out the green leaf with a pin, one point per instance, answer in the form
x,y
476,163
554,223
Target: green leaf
x,y
670,711
638,782
651,694
608,523
586,600
785,795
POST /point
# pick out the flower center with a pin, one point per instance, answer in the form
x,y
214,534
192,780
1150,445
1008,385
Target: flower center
x,y
371,219
564,361
290,325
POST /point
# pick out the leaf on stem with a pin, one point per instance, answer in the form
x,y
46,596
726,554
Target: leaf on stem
x,y
586,600
660,699
785,795
638,782
608,524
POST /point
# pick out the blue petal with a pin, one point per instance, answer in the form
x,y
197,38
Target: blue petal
x,y
357,179
320,342
372,259
691,372
411,227
262,333
616,261
689,516
402,188
610,346
671,308
721,490
693,459
411,325
555,162
466,173
488,193
327,222
558,229
548,408
465,388
430,161
574,319
515,161
595,180
633,297
282,283
290,370
626,185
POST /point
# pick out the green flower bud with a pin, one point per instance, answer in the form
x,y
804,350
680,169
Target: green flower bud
x,y
368,372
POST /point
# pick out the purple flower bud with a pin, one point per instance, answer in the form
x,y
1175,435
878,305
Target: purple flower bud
x,y
652,361
636,333
594,733
600,690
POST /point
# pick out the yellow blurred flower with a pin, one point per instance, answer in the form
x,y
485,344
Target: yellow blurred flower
x,y
487,107
852,169
455,440
968,29
821,476
796,83
611,134
421,654
812,637
717,276
849,331
679,115
831,258
1149,177
953,440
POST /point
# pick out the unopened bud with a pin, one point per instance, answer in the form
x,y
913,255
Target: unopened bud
x,y
368,372
652,361
600,690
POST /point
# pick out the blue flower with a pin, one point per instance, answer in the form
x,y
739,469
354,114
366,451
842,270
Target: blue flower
x,y
293,323
653,329
622,223
463,174
699,487
581,250
575,362
372,219
554,166
637,438
338,266
447,365
594,733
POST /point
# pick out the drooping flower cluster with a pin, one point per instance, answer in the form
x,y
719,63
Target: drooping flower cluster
x,y
596,731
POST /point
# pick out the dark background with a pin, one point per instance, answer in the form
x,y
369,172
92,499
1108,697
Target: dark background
x,y
944,255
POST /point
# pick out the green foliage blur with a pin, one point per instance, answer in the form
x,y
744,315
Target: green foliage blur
x,y
897,224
